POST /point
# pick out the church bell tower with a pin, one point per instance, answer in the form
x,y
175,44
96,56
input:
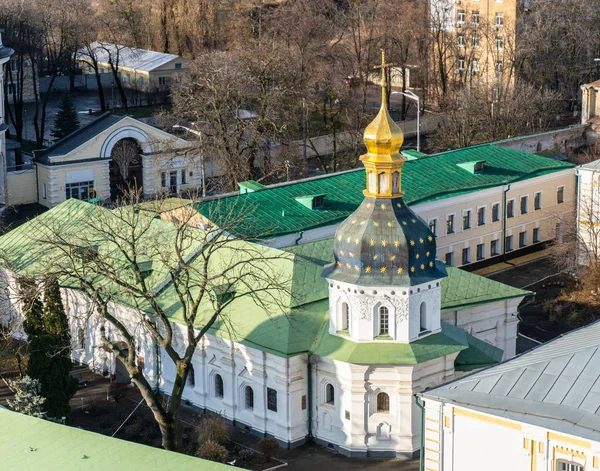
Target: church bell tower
x,y
385,282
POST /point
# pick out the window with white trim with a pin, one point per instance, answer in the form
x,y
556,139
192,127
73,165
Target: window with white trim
x,y
79,190
537,201
384,321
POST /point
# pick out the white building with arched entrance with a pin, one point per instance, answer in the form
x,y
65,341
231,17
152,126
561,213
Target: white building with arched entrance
x,y
105,157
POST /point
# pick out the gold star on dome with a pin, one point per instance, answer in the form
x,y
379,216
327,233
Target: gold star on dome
x,y
412,269
356,241
353,221
383,269
398,205
413,220
400,270
375,257
368,269
375,223
340,238
342,252
383,206
397,243
350,254
348,240
389,224
348,266
428,254
372,242
421,240
422,266
339,263
412,242
417,256
368,205
430,238
392,258
430,264
404,223
384,243
356,267
362,223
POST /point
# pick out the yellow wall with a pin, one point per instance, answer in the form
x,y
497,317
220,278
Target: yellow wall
x,y
21,187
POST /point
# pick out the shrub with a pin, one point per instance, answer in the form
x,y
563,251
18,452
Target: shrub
x,y
213,429
212,451
246,455
27,398
268,447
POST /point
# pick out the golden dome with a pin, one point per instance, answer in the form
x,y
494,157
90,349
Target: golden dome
x,y
383,135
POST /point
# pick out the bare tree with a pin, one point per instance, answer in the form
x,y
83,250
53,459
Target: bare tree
x,y
124,154
125,258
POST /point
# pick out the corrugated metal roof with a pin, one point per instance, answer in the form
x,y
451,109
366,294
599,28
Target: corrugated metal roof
x,y
275,210
556,385
31,443
129,57
75,139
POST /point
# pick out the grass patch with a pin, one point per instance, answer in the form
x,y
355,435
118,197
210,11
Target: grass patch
x,y
142,111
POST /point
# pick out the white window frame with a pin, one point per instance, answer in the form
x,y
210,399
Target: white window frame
x,y
494,253
541,193
468,211
461,17
451,253
513,208
538,239
526,204
435,220
558,188
482,245
499,41
484,207
453,223
499,19
498,203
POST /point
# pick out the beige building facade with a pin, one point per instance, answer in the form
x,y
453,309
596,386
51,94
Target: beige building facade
x,y
83,165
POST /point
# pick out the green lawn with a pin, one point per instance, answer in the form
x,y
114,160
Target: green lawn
x,y
142,111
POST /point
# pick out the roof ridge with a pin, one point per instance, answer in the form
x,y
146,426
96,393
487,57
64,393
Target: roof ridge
x,y
62,140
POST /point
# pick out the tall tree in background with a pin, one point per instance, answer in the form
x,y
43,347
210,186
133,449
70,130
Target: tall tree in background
x,y
49,342
66,120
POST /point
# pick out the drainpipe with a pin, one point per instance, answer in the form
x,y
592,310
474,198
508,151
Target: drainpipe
x,y
301,233
422,439
309,405
504,222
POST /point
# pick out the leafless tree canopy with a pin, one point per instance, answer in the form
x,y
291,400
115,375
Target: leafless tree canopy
x,y
126,257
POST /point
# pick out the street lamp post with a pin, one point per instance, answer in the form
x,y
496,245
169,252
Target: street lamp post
x,y
414,96
200,135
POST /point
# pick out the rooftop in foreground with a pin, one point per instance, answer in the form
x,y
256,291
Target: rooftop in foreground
x,y
554,386
31,443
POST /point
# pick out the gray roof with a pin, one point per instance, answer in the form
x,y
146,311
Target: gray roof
x,y
129,57
75,139
555,386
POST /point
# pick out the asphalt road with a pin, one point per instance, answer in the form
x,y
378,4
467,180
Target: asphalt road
x,y
524,275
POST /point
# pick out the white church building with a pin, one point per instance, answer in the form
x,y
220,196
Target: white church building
x,y
374,319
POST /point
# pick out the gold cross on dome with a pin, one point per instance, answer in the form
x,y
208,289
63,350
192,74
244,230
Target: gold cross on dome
x,y
383,66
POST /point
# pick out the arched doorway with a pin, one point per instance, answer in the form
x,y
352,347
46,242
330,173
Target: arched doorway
x,y
125,167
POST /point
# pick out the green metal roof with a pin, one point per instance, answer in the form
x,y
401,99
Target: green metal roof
x,y
274,211
285,324
31,443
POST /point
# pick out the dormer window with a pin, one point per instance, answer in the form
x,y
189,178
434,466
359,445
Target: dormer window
x,y
473,167
311,201
384,321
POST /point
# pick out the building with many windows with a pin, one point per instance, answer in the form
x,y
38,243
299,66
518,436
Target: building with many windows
x,y
481,203
477,39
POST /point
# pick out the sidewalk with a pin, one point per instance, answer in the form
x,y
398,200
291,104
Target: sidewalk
x,y
498,267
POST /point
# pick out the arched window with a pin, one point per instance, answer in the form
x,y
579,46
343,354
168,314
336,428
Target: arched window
x,y
329,394
249,393
423,316
218,386
383,402
395,182
384,183
345,317
384,321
